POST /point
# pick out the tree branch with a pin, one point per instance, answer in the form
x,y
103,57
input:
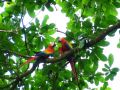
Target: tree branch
x,y
15,53
103,35
9,31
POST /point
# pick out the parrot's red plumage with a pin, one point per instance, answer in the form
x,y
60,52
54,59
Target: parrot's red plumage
x,y
48,51
65,46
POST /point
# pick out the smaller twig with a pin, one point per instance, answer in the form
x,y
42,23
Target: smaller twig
x,y
8,31
7,77
55,8
33,18
15,53
60,31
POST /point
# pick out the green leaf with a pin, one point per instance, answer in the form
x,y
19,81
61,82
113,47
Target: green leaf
x,y
102,79
87,24
103,43
110,19
89,12
106,66
118,45
44,22
1,83
85,1
37,22
105,85
110,76
115,69
108,88
31,13
51,31
5,14
102,57
111,10
30,8
50,8
105,69
0,18
112,33
52,25
96,81
110,59
117,3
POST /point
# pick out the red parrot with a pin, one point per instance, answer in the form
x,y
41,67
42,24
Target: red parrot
x,y
65,46
47,52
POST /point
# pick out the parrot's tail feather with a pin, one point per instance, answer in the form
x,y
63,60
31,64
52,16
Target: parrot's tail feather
x,y
72,63
28,61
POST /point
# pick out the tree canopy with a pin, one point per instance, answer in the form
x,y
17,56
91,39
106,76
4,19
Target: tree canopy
x,y
90,21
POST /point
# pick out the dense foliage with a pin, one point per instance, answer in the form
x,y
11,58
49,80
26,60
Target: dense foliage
x,y
90,21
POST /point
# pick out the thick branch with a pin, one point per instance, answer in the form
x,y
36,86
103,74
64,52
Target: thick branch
x,y
38,60
103,35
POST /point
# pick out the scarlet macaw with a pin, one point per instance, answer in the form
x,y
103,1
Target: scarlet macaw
x,y
66,46
45,54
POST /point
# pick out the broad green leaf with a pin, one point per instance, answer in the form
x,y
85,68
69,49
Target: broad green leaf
x,y
87,23
101,79
96,81
115,69
37,22
102,57
111,10
110,19
1,83
110,59
110,76
107,67
1,4
5,14
43,8
0,19
117,3
30,8
50,8
85,1
31,13
118,45
51,31
51,26
88,12
105,85
98,51
108,88
97,20
103,43
112,33
44,22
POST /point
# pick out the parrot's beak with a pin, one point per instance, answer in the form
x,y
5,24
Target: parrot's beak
x,y
59,40
53,44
